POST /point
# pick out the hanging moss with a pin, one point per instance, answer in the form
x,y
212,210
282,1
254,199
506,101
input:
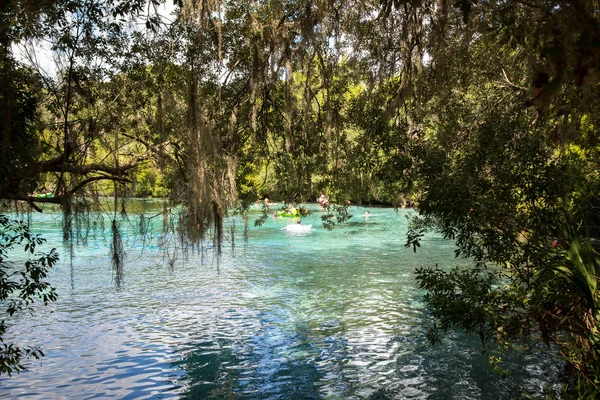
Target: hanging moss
x,y
117,253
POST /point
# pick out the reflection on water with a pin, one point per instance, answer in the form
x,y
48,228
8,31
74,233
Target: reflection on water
x,y
326,314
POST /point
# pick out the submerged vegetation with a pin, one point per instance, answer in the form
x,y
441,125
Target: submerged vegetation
x,y
483,114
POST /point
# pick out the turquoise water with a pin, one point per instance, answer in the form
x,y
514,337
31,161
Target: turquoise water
x,y
322,314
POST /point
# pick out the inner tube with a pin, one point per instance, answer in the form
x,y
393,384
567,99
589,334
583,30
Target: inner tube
x,y
296,228
284,213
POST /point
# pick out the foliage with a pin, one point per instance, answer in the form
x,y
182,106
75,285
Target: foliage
x,y
485,114
20,287
18,142
572,322
449,293
340,212
502,166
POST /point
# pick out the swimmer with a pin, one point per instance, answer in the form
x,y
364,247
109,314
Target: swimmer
x,y
323,201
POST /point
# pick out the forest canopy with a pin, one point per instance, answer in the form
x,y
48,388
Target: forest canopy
x,y
484,114
285,99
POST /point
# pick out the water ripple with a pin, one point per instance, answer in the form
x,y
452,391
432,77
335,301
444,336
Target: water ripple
x,y
333,315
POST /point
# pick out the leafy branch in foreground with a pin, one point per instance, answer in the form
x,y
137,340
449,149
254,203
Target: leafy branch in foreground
x,y
558,305
21,286
572,320
341,215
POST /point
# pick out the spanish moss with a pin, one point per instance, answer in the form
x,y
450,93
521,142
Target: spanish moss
x,y
117,254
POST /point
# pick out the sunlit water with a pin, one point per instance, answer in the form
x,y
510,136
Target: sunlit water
x,y
325,314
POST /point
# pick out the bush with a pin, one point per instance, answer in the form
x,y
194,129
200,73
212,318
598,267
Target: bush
x,y
21,286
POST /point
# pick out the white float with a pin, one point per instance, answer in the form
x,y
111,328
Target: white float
x,y
297,228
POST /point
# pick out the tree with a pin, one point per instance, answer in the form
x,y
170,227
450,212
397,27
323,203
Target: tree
x,y
88,41
505,165
486,113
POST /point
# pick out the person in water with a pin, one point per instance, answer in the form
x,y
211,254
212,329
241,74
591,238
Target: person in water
x,y
367,214
299,221
323,201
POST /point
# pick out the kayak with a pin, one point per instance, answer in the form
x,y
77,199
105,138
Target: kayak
x,y
297,228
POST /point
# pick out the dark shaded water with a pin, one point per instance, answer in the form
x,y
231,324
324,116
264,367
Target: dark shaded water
x,y
325,314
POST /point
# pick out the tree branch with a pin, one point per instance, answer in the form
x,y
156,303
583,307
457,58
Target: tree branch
x,y
60,198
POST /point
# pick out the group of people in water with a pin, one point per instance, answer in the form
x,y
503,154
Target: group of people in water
x,y
289,211
294,211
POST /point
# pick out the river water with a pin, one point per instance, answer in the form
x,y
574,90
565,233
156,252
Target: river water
x,y
280,315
